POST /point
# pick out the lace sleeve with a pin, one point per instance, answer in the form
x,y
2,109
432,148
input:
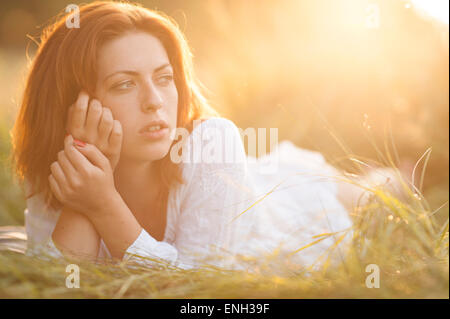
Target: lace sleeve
x,y
39,225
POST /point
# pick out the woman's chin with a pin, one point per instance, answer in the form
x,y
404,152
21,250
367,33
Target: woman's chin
x,y
155,152
148,152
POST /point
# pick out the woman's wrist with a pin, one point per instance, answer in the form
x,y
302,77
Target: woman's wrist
x,y
117,225
111,206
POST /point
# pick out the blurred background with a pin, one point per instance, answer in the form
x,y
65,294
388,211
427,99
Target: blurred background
x,y
343,77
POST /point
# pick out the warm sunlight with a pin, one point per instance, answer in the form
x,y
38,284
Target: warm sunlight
x,y
437,9
170,149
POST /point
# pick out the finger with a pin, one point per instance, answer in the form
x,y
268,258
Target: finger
x,y
69,118
78,160
94,155
78,115
105,127
92,121
58,174
69,171
55,188
115,139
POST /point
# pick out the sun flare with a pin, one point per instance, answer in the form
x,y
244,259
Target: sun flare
x,y
437,9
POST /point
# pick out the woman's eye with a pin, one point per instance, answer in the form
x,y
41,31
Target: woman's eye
x,y
123,85
165,79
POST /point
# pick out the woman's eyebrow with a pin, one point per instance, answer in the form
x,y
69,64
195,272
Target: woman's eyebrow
x,y
121,71
161,67
130,72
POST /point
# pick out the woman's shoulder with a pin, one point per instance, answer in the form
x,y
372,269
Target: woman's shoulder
x,y
37,210
214,145
220,123
213,140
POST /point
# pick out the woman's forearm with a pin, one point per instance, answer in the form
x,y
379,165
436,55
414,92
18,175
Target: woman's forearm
x,y
75,236
117,226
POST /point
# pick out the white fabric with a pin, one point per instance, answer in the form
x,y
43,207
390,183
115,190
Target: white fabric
x,y
200,212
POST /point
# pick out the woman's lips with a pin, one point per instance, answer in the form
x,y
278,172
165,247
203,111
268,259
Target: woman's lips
x,y
155,135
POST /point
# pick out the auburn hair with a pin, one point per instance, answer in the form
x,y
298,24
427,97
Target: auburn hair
x,y
66,62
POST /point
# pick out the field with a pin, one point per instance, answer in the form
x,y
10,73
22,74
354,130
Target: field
x,y
328,82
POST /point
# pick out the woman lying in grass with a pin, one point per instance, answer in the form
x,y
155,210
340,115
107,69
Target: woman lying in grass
x,y
95,145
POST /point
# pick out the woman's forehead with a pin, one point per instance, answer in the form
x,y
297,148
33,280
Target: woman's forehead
x,y
138,51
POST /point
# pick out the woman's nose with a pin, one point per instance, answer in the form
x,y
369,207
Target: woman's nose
x,y
152,99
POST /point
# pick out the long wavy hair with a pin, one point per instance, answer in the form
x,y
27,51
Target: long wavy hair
x,y
66,62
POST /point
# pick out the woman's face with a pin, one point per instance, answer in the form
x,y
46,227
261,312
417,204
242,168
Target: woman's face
x,y
135,80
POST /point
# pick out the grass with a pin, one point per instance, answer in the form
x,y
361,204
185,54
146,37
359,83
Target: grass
x,y
400,236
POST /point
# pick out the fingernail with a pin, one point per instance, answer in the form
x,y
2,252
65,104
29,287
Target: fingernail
x,y
79,143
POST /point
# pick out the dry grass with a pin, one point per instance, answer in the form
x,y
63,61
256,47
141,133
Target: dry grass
x,y
401,237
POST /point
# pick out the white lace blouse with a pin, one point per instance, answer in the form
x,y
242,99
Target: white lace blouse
x,y
230,206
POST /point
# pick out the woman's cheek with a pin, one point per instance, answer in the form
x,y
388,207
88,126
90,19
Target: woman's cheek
x,y
174,101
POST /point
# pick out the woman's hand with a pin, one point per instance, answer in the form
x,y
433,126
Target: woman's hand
x,y
82,178
90,122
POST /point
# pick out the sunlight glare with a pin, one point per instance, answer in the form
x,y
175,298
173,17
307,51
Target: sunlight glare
x,y
437,9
